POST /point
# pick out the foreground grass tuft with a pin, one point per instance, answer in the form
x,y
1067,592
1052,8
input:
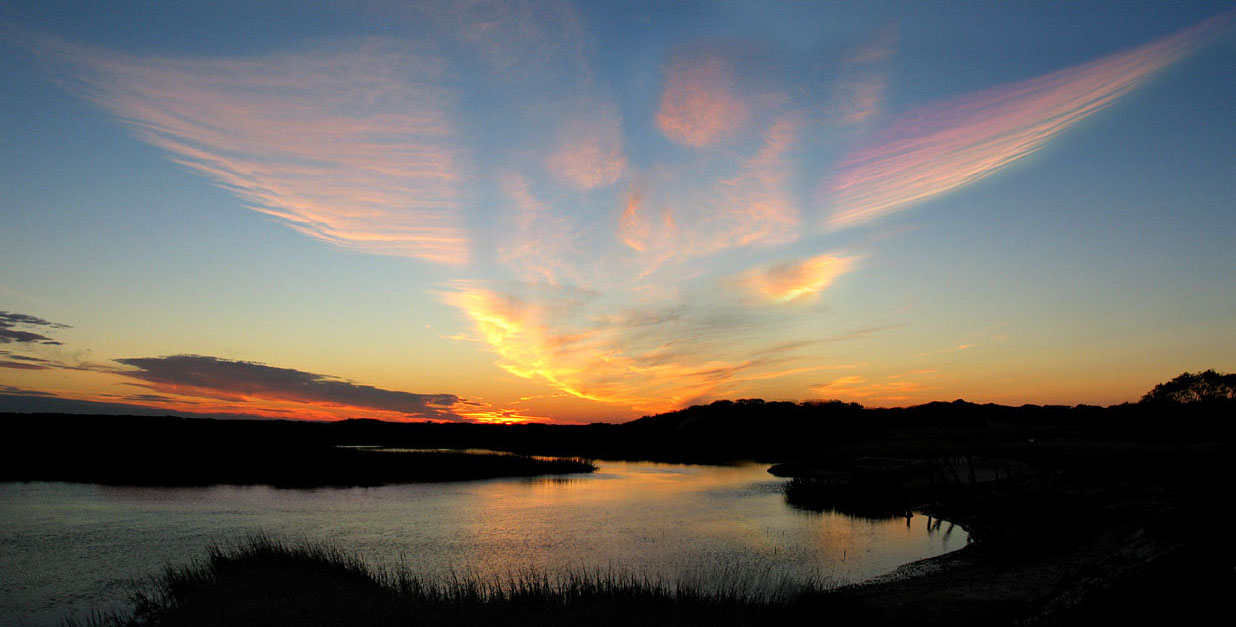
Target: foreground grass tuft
x,y
265,581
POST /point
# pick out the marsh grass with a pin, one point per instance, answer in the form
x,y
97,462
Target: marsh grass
x,y
266,581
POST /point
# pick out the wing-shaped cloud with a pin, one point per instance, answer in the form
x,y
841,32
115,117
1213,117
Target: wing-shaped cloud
x,y
352,146
941,147
253,384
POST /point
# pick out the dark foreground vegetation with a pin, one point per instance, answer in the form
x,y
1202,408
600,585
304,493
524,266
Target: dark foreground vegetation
x,y
267,582
1074,531
1086,516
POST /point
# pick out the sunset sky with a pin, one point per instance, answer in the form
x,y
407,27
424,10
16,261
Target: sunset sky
x,y
597,211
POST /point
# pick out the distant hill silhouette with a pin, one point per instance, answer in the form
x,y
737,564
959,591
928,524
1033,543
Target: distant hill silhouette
x,y
746,429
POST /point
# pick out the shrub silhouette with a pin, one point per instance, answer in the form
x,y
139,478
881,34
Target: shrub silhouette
x,y
1206,386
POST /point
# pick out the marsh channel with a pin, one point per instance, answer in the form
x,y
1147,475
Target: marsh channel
x,y
70,548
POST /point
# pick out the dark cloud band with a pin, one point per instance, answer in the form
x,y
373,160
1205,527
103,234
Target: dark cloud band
x,y
9,332
211,377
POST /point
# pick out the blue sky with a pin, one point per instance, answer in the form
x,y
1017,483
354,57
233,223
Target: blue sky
x,y
508,211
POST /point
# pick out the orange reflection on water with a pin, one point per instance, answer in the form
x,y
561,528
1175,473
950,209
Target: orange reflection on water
x,y
713,523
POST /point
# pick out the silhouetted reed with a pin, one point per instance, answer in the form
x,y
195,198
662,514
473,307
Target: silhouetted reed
x,y
876,501
265,581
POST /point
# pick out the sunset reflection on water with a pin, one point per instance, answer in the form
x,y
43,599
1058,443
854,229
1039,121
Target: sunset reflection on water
x,y
76,547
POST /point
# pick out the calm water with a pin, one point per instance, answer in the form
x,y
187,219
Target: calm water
x,y
68,548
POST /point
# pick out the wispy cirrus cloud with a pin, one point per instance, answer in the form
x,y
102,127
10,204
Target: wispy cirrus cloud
x,y
859,92
351,145
590,153
540,244
757,207
516,40
752,206
952,349
937,148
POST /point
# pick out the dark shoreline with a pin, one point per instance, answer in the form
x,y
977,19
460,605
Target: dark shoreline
x,y
293,469
1089,531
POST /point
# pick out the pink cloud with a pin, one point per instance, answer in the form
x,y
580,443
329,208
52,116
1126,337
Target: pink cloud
x,y
633,229
699,104
944,146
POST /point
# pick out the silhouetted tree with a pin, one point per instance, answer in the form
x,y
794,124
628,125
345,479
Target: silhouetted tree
x,y
1194,388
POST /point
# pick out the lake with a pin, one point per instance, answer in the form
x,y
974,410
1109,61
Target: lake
x,y
68,548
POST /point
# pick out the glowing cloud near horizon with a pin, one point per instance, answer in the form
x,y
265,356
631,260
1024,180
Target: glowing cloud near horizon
x,y
791,281
941,147
627,358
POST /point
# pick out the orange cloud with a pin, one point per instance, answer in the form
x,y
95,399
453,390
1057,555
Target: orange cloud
x,y
616,359
945,146
795,280
699,104
349,146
